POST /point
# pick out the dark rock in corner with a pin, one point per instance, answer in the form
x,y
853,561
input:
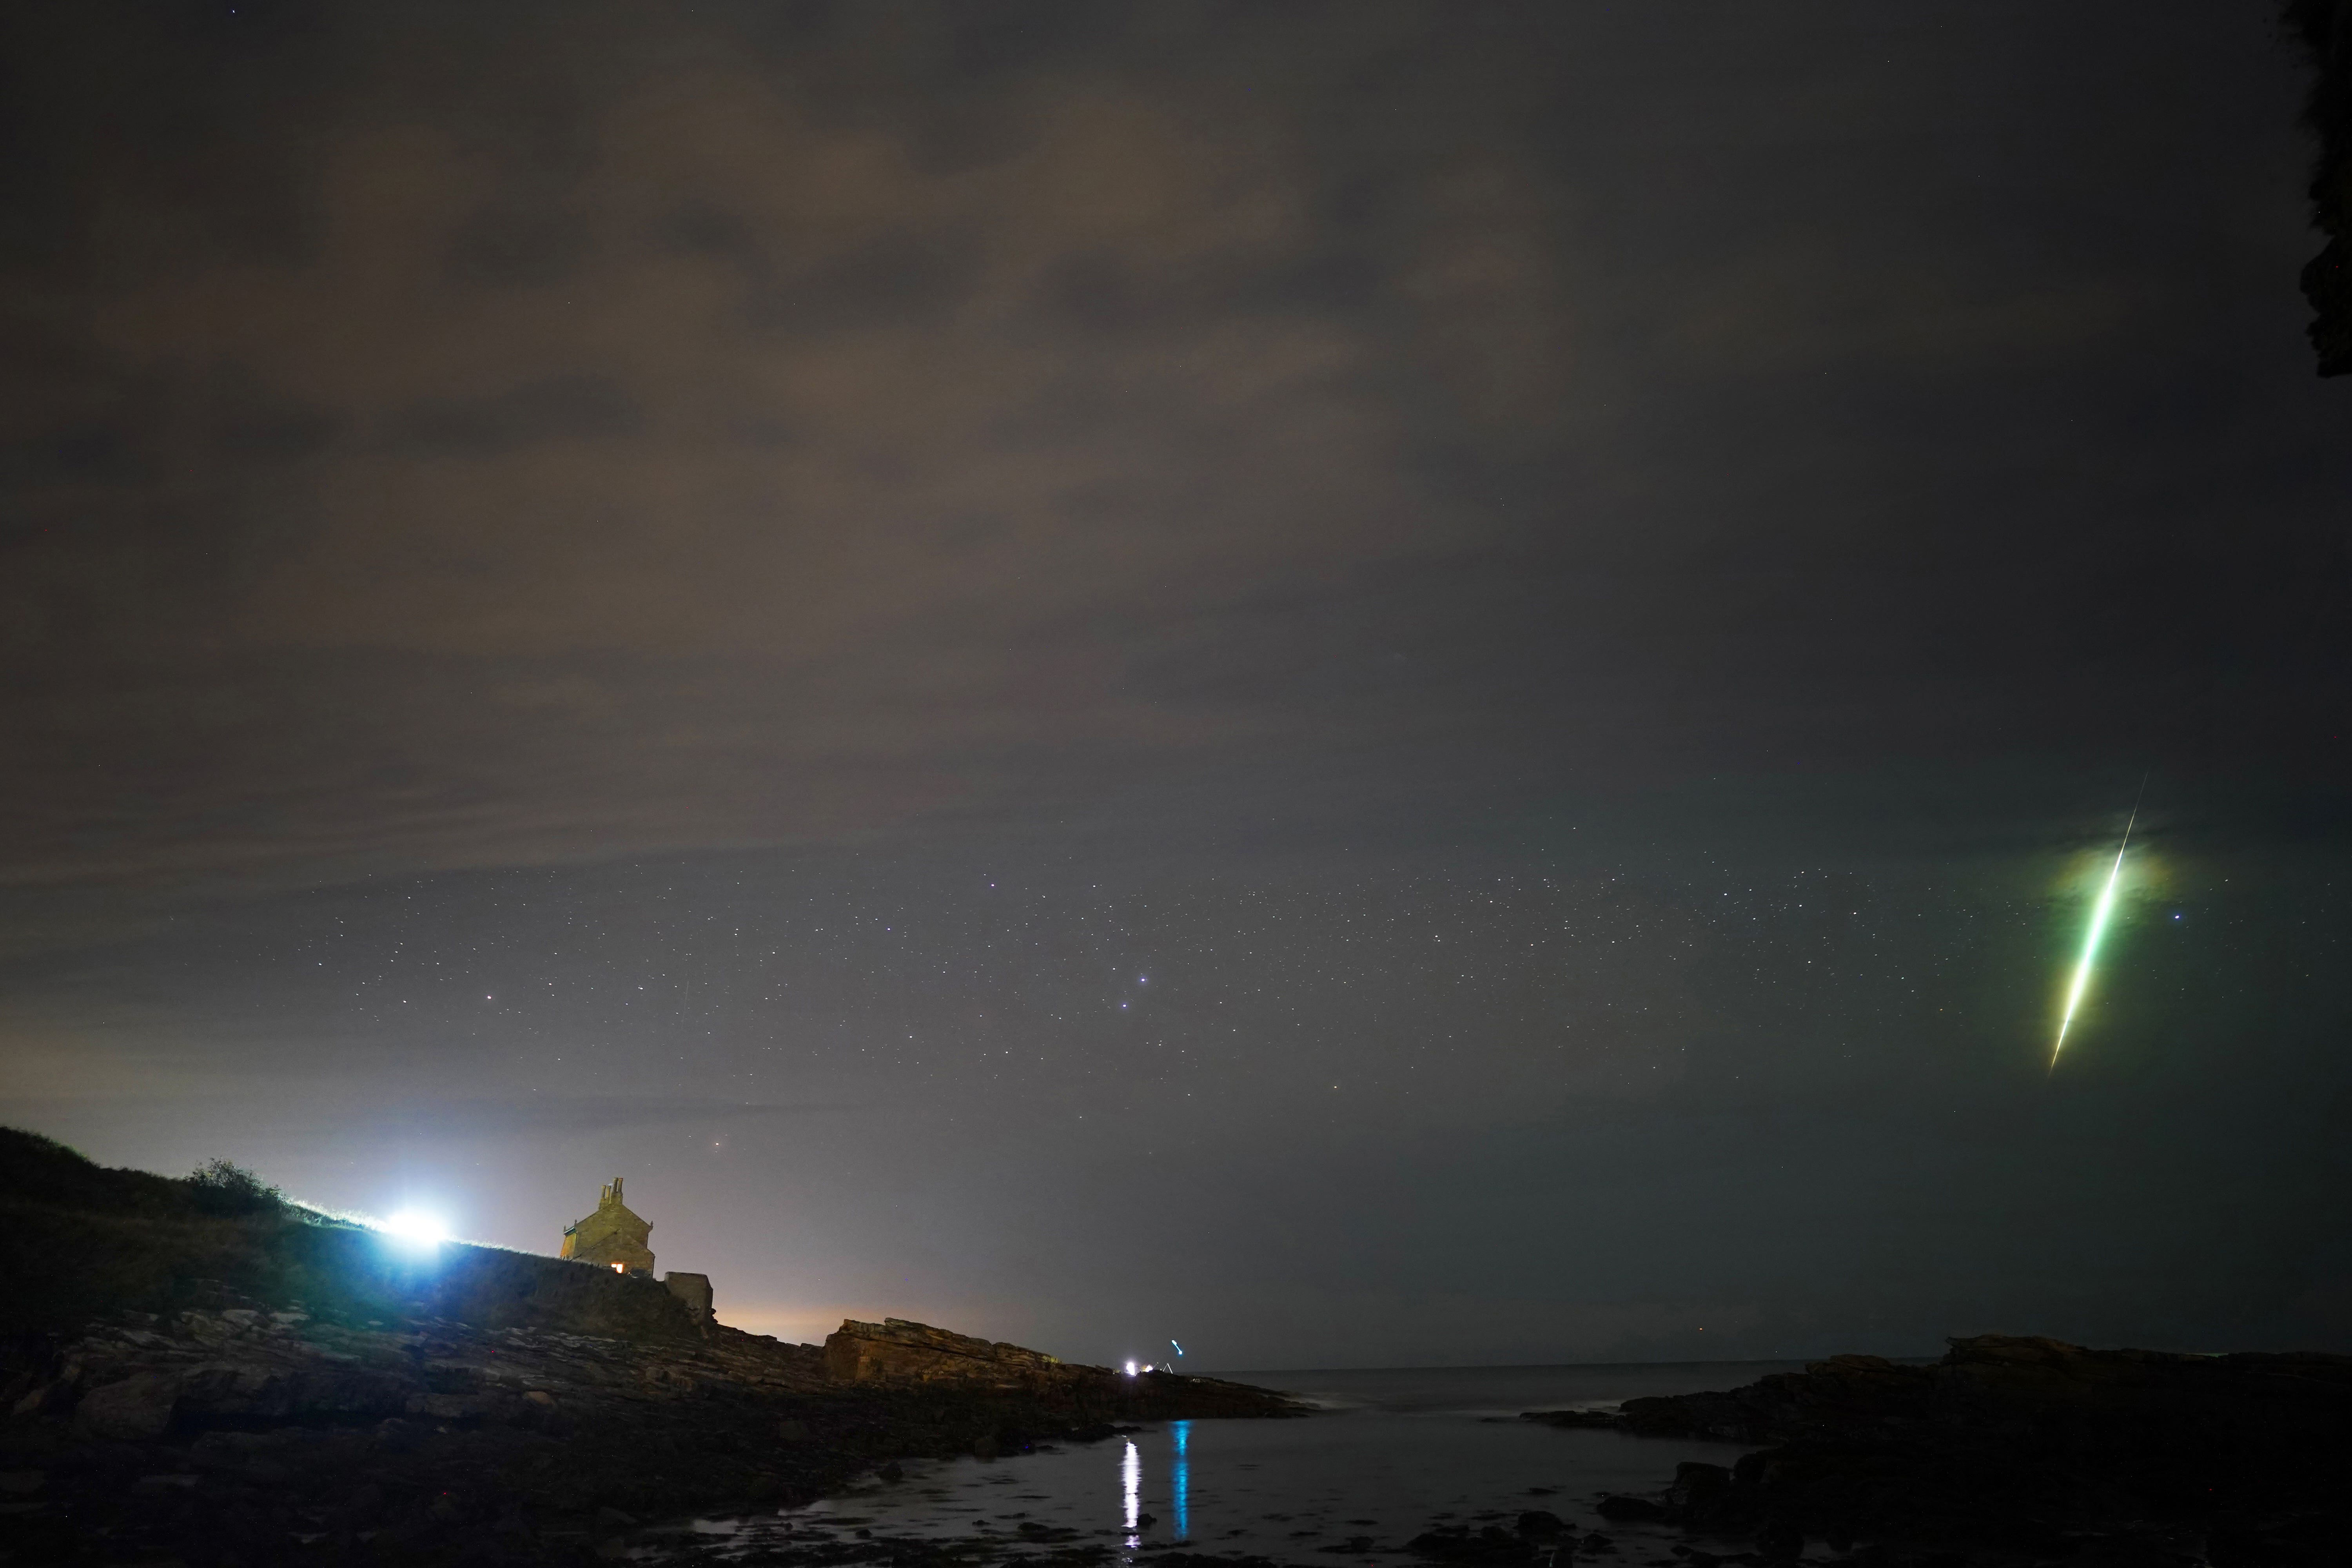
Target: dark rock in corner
x,y
1627,1508
1701,1493
2020,1447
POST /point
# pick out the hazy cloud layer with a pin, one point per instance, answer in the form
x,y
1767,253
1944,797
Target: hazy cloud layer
x,y
459,438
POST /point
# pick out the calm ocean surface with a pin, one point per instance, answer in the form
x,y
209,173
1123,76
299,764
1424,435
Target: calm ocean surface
x,y
1392,1453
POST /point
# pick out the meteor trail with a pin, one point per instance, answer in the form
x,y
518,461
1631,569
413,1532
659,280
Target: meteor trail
x,y
2098,928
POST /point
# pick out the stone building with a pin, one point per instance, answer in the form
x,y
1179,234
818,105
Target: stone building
x,y
613,1235
616,1238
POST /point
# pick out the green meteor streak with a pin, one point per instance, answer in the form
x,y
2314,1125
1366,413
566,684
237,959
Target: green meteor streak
x,y
2107,907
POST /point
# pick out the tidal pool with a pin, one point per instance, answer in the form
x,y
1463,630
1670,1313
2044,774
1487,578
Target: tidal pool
x,y
1389,1454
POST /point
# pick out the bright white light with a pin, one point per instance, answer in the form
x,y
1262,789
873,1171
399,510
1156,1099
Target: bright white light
x,y
416,1228
1131,1369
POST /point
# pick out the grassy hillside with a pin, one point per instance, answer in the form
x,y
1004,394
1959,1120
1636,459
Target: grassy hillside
x,y
92,1241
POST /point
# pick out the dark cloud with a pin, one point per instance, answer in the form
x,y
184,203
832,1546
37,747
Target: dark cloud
x,y
255,423
556,408
82,455
521,249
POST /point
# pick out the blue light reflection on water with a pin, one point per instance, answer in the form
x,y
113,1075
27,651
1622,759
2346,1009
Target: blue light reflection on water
x,y
1180,1478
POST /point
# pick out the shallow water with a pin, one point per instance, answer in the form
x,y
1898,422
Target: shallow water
x,y
1392,1453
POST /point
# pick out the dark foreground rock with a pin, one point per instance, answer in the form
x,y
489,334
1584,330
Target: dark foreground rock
x,y
207,1375
2021,1449
252,1436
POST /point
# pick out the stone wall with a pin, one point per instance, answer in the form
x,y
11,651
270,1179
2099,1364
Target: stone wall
x,y
494,1289
694,1290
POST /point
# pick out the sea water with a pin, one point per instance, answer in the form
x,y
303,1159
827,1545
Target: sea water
x,y
1387,1456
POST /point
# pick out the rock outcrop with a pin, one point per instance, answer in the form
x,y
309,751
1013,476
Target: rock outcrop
x,y
245,1428
2024,1445
2039,1391
416,1441
213,1375
896,1350
896,1353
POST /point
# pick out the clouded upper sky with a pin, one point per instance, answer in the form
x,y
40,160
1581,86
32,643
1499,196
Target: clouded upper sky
x,y
1364,683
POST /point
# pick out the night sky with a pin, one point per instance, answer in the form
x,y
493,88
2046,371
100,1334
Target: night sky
x,y
1363,683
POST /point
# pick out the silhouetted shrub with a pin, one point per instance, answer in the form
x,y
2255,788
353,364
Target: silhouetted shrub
x,y
220,1187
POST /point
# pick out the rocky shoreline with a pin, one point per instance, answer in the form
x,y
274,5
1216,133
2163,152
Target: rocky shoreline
x,y
236,1433
204,1374
2019,1450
